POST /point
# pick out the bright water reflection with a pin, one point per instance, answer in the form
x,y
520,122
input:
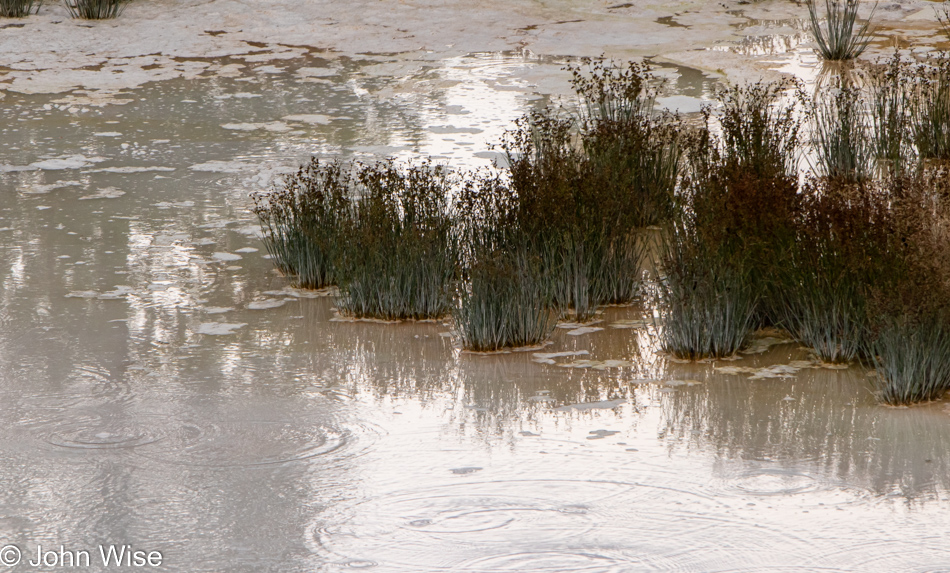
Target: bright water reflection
x,y
162,386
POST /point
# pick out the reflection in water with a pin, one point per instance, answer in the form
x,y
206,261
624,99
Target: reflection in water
x,y
162,386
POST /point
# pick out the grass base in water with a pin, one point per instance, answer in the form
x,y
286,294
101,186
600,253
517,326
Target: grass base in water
x,y
503,305
302,222
400,256
912,361
96,9
706,302
18,8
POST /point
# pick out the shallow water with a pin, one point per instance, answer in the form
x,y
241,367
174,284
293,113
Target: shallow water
x,y
163,387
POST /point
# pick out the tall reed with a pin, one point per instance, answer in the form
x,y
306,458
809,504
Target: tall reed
x,y
502,301
303,222
841,136
841,249
588,184
910,304
634,152
19,8
400,254
761,126
705,297
839,40
930,109
743,187
96,9
891,97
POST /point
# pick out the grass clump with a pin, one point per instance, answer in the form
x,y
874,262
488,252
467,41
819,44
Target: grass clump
x,y
743,190
910,306
842,138
930,109
912,359
706,300
18,8
890,96
734,227
840,249
95,9
588,184
502,301
633,152
839,40
303,221
399,257
552,207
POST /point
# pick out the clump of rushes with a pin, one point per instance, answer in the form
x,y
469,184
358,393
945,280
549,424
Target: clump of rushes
x,y
502,301
705,298
18,8
399,257
912,360
930,109
303,221
633,151
841,248
95,9
760,127
744,188
839,40
735,225
843,145
890,95
545,170
910,306
588,184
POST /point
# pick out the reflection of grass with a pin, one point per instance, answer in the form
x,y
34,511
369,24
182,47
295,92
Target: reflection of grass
x,y
399,253
18,8
839,40
302,222
95,9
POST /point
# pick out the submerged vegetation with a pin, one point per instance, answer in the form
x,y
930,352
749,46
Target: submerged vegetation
x,y
95,9
838,40
18,8
851,257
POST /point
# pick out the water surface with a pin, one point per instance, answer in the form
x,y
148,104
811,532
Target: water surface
x,y
162,386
